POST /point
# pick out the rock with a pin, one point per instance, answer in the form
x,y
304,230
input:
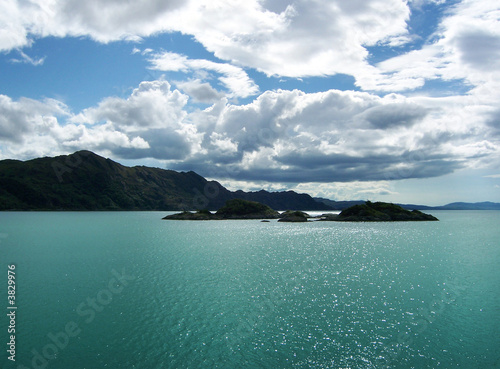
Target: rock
x,y
381,212
293,216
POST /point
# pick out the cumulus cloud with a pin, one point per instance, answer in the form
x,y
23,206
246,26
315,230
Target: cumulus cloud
x,y
26,116
152,105
337,136
149,123
282,137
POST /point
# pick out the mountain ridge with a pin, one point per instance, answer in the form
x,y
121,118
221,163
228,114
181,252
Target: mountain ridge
x,y
86,181
484,205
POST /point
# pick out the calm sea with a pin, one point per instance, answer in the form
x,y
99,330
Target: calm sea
x,y
129,290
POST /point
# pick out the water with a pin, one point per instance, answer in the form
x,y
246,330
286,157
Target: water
x,y
246,294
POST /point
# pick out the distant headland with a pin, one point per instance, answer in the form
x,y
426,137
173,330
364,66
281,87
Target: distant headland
x,y
367,212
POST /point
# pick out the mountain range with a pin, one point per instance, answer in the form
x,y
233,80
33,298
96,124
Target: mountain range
x,y
486,205
86,181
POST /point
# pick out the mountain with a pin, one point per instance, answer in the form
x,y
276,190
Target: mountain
x,y
470,206
86,181
341,205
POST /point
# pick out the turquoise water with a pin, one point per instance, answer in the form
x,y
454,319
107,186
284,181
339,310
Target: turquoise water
x,y
129,290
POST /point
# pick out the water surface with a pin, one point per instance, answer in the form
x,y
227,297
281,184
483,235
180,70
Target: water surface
x,y
246,294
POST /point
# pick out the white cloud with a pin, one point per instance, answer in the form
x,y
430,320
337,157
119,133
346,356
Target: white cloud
x,y
299,38
235,79
151,105
25,116
466,46
26,59
149,123
348,191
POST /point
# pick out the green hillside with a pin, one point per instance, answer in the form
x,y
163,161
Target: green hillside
x,y
86,181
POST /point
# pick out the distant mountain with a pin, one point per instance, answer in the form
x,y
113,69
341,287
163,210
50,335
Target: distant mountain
x,y
86,181
470,206
341,205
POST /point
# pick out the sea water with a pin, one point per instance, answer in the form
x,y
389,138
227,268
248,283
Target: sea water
x,y
130,290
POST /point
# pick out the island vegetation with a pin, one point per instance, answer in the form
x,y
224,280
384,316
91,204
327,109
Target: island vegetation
x,y
291,216
233,209
381,212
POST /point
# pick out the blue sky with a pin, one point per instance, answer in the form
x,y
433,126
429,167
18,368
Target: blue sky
x,y
372,99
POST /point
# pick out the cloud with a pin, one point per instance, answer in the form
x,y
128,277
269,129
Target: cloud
x,y
200,91
348,191
299,38
235,79
290,38
25,116
465,47
149,123
337,136
286,38
395,114
152,105
26,59
282,137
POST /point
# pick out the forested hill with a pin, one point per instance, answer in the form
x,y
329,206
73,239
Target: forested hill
x,y
86,181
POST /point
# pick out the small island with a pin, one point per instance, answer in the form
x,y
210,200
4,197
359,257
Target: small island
x,y
294,216
233,209
368,212
381,212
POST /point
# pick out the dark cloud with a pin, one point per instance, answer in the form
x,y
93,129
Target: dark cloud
x,y
391,115
317,167
199,91
479,49
341,173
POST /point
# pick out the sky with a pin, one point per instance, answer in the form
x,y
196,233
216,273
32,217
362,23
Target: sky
x,y
386,100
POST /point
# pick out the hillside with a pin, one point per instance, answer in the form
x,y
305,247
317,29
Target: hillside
x,y
86,181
